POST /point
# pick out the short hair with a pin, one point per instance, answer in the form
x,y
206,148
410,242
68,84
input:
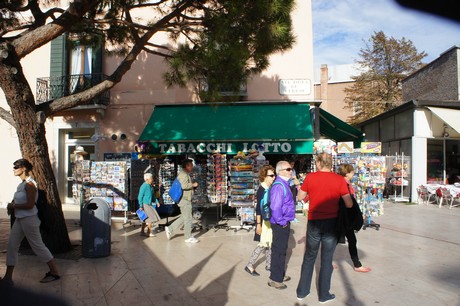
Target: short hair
x,y
324,160
23,163
186,162
344,169
279,166
148,176
263,173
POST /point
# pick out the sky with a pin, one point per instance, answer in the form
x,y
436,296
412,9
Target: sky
x,y
340,26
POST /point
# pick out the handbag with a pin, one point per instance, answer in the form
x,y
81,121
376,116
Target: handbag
x,y
175,192
141,214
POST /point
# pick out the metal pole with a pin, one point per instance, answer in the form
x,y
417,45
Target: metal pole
x,y
444,176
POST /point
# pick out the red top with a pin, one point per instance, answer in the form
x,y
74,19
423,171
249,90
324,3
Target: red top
x,y
324,190
352,190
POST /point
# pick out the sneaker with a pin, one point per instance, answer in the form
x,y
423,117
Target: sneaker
x,y
329,299
302,298
49,277
286,279
152,235
277,285
192,240
168,232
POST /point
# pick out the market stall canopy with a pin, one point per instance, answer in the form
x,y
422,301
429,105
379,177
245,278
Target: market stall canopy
x,y
333,128
448,115
278,128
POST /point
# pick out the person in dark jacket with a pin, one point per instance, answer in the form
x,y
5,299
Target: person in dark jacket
x,y
282,207
263,229
347,171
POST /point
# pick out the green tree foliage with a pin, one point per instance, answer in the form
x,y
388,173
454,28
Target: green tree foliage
x,y
237,38
384,62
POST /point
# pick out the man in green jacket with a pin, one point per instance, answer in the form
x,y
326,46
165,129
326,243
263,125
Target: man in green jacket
x,y
185,204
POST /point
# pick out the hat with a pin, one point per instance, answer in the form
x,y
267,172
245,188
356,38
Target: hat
x,y
80,150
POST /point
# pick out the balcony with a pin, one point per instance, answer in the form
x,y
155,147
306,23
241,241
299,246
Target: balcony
x,y
51,88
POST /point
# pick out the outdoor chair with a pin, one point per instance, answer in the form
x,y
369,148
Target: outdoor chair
x,y
424,195
452,201
443,195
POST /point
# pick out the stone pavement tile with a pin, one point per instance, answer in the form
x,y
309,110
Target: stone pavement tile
x,y
82,289
127,290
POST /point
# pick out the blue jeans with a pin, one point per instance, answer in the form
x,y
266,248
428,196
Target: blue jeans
x,y
318,232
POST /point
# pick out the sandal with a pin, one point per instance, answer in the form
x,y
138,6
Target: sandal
x,y
363,269
49,277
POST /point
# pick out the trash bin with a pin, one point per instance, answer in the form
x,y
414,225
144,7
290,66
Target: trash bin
x,y
96,228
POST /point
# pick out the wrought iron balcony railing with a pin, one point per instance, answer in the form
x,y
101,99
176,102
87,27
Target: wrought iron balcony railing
x,y
51,88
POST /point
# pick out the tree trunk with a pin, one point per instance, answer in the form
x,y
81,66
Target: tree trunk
x,y
31,135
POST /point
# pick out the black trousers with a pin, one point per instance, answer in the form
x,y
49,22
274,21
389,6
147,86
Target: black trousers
x,y
352,247
279,250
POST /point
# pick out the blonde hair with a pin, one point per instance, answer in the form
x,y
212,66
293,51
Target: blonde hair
x,y
324,160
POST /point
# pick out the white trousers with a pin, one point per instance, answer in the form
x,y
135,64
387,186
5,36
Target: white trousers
x,y
30,228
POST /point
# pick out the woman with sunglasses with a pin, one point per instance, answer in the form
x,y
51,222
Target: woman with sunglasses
x,y
27,224
263,229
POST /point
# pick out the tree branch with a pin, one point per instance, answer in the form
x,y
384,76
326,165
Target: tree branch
x,y
80,98
33,40
7,116
157,53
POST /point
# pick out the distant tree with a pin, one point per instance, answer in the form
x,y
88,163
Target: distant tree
x,y
226,41
384,62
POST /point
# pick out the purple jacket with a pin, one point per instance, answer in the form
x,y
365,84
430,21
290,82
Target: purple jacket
x,y
281,203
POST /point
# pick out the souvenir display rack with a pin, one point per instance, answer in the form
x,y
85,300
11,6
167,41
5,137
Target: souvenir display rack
x,y
167,175
81,178
242,192
399,178
368,183
199,175
217,188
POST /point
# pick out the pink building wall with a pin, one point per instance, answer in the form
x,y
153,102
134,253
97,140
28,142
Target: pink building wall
x,y
133,99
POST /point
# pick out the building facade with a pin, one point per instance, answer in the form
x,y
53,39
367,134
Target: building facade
x,y
438,80
330,87
427,127
113,122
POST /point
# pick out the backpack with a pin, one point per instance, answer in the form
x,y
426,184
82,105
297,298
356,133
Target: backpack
x,y
175,192
265,203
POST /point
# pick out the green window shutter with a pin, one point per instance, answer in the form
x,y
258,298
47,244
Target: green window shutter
x,y
58,67
97,58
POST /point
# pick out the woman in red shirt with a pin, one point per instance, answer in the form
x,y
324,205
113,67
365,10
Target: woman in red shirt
x,y
347,171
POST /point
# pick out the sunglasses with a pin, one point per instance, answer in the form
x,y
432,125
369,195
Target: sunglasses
x,y
287,169
271,175
15,167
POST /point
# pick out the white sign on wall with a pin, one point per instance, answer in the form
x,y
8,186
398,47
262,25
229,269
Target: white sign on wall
x,y
295,87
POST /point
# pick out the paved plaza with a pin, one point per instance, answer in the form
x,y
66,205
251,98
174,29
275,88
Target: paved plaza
x,y
415,259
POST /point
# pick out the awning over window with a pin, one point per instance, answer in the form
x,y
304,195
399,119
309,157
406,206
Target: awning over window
x,y
280,128
333,128
448,115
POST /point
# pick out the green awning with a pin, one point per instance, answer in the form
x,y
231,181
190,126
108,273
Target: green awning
x,y
280,128
333,128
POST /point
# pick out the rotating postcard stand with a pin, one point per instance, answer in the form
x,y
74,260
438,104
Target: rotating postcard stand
x,y
242,193
370,208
